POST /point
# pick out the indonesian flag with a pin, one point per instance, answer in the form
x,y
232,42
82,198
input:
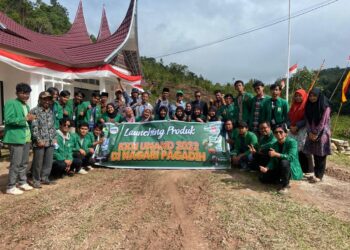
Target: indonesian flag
x,y
345,89
293,69
47,68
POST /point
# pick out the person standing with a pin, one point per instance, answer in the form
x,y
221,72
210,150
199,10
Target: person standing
x,y
227,111
275,109
104,102
199,103
256,106
17,136
63,101
242,103
90,111
73,105
56,107
297,129
143,104
44,139
318,140
163,101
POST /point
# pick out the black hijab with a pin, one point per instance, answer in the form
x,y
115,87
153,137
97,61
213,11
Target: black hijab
x,y
114,114
314,111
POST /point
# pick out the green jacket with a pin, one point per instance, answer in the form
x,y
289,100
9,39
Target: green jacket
x,y
227,112
69,109
289,153
249,139
87,142
57,113
266,142
280,111
70,106
117,119
246,107
64,150
84,107
15,122
252,111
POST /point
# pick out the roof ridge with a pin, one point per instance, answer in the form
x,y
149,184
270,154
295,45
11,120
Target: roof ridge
x,y
104,31
78,27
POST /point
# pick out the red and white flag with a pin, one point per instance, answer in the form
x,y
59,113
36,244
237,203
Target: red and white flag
x,y
293,69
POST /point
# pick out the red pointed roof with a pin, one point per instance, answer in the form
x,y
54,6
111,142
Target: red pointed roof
x,y
73,48
104,27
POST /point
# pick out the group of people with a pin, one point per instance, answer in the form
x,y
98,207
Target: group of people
x,y
263,134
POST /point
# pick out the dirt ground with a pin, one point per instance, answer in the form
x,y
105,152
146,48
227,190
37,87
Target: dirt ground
x,y
139,209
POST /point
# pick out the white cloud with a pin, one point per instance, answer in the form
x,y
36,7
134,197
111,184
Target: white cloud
x,y
168,26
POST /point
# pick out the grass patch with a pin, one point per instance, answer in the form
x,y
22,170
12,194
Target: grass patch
x,y
340,159
340,128
273,221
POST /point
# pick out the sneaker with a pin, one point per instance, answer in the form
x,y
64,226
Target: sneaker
x,y
48,182
25,187
88,168
82,171
14,191
36,185
283,190
314,179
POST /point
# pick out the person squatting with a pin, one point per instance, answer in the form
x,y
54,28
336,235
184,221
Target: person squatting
x,y
262,132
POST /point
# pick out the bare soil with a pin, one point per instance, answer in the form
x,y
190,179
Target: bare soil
x,y
139,209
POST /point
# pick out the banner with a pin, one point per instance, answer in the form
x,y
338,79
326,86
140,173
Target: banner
x,y
165,145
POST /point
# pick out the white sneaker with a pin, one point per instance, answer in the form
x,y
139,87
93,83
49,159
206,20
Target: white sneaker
x,y
82,171
14,191
89,168
26,187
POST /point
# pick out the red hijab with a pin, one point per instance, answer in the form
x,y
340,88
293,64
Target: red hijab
x,y
297,110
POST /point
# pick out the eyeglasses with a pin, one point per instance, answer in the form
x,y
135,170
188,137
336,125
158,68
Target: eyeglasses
x,y
66,126
198,96
279,132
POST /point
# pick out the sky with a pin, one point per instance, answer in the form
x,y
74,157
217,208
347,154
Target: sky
x,y
167,26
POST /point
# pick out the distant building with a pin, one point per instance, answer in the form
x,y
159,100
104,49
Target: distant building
x,y
70,61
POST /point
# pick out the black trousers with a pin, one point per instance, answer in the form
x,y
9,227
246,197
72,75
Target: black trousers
x,y
86,160
59,167
320,166
259,159
306,164
279,175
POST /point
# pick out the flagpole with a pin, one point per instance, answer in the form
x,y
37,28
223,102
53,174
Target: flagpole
x,y
341,78
289,39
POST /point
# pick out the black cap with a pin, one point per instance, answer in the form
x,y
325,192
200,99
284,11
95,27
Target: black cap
x,y
104,94
134,90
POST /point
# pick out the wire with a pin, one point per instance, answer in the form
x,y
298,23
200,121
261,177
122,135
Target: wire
x,y
257,28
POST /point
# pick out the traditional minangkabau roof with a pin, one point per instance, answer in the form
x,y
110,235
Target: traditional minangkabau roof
x,y
104,27
75,49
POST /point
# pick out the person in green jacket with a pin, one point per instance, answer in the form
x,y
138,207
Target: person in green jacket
x,y
63,101
17,135
197,115
56,107
74,106
227,111
284,163
242,103
64,163
112,114
275,109
90,111
83,147
257,103
261,152
242,156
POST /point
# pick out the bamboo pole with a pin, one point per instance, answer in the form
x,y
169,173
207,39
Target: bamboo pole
x,y
336,120
316,77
